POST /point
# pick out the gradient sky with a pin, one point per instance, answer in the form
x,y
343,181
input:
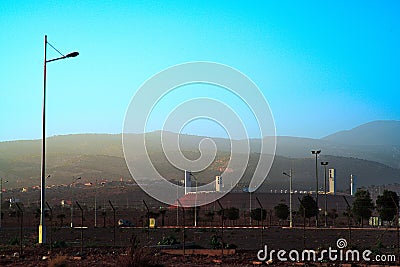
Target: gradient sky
x,y
323,67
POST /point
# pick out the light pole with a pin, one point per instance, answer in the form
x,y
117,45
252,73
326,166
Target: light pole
x,y
1,198
251,222
316,152
325,163
290,197
42,226
72,203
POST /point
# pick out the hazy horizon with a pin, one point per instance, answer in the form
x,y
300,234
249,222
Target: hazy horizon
x,y
185,133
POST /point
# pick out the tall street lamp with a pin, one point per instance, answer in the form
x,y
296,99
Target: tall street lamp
x,y
325,163
290,197
316,152
42,226
1,198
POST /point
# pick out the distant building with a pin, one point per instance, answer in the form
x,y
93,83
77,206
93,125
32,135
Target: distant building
x,y
332,181
188,182
353,187
218,183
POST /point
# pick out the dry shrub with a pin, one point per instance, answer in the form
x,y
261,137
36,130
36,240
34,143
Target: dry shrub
x,y
58,261
138,256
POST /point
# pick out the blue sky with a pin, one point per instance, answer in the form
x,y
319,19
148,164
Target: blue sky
x,y
322,67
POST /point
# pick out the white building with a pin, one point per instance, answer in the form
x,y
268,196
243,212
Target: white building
x,y
353,187
218,183
188,182
332,181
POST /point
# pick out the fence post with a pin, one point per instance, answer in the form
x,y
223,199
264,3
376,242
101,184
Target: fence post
x,y
109,201
183,225
222,228
262,220
397,227
20,229
81,227
148,221
304,223
348,218
51,225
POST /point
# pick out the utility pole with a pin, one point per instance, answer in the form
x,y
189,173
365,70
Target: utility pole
x,y
290,197
325,163
316,152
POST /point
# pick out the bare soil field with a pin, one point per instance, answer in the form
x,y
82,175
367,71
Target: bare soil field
x,y
98,249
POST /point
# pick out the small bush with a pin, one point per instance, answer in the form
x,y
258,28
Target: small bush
x,y
13,241
59,244
137,257
215,243
58,261
168,240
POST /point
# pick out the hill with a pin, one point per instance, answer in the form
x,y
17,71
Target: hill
x,y
100,156
376,133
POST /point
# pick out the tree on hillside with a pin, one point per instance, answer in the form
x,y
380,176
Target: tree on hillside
x,y
232,214
308,207
362,206
258,215
387,205
281,211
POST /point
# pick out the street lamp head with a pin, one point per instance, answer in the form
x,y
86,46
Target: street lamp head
x,y
324,163
72,54
284,173
315,152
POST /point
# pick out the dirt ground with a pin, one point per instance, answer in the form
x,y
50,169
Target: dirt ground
x,y
98,249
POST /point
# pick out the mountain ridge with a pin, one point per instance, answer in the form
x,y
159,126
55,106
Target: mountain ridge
x,y
101,156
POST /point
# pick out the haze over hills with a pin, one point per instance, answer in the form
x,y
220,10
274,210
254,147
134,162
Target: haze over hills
x,y
376,133
100,156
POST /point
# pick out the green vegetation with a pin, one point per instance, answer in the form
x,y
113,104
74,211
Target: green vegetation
x,y
168,240
308,207
281,211
258,214
362,206
387,205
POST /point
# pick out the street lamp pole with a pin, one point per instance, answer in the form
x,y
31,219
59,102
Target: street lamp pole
x,y
325,163
42,226
316,152
290,197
